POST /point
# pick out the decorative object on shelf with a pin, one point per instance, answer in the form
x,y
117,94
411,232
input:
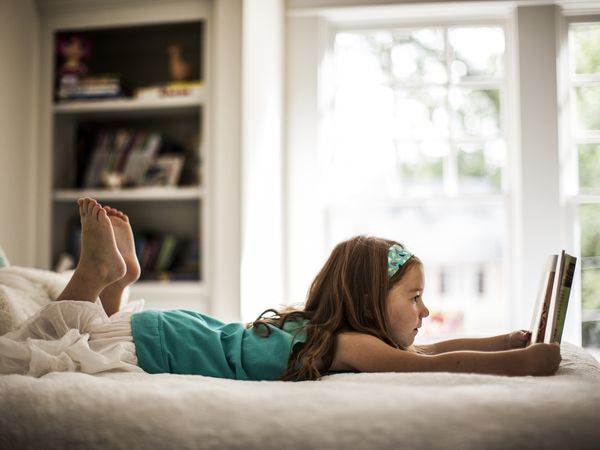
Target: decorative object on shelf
x,y
165,171
179,70
73,50
112,180
73,81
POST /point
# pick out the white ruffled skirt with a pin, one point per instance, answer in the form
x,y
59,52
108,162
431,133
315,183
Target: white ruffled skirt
x,y
71,336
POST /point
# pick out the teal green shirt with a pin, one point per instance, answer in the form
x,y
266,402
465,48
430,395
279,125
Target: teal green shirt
x,y
187,342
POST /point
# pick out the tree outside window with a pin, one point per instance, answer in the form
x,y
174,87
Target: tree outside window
x,y
584,46
416,152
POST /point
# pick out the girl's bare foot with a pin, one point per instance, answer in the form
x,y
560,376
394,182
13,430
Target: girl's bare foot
x,y
125,244
100,257
100,263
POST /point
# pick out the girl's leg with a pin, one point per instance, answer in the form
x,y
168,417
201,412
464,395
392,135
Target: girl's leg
x,y
111,295
100,263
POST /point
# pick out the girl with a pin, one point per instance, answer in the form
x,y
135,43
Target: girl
x,y
363,311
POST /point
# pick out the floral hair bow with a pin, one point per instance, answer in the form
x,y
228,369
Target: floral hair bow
x,y
397,257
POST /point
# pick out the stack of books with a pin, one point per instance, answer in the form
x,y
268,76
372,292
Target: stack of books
x,y
93,87
174,89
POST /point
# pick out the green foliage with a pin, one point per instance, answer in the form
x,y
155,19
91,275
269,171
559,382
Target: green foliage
x,y
586,46
588,107
428,169
589,218
590,289
473,165
589,165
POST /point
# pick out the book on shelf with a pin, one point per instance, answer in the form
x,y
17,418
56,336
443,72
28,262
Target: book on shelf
x,y
165,257
168,90
92,87
162,255
550,310
127,158
140,158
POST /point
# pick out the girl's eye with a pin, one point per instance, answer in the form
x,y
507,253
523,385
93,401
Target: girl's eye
x,y
416,299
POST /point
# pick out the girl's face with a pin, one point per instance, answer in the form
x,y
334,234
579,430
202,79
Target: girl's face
x,y
405,307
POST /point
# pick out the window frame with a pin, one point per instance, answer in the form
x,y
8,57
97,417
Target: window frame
x,y
327,25
572,197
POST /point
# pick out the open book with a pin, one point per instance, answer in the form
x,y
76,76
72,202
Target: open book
x,y
553,299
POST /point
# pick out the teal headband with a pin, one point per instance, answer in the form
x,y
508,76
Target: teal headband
x,y
397,257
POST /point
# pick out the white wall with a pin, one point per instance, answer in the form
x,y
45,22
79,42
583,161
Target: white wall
x,y
538,212
226,180
262,156
18,88
304,219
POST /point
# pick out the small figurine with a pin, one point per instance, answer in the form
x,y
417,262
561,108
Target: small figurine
x,y
73,49
179,70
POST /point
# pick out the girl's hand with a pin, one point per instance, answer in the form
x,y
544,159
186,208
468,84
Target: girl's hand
x,y
518,339
543,359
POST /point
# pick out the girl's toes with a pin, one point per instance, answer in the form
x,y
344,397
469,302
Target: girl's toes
x,y
97,211
89,206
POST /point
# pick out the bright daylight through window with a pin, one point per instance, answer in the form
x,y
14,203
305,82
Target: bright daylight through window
x,y
584,46
415,151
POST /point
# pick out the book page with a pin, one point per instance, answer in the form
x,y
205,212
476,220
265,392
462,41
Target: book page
x,y
540,312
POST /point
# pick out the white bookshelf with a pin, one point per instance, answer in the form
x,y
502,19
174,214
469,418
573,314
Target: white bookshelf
x,y
133,194
183,211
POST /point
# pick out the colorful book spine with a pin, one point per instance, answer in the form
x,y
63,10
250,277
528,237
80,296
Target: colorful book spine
x,y
563,297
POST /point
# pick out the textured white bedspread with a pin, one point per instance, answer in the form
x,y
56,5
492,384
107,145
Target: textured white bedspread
x,y
356,411
346,411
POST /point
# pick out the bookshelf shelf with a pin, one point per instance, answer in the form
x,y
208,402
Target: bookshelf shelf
x,y
130,104
134,194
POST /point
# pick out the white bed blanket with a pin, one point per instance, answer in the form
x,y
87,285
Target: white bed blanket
x,y
343,411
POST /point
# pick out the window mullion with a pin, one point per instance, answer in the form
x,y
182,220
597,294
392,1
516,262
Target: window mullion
x,y
450,172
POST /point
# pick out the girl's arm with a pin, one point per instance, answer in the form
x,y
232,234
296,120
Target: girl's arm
x,y
367,353
516,339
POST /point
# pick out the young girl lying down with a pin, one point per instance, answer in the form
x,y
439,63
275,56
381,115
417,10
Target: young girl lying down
x,y
363,311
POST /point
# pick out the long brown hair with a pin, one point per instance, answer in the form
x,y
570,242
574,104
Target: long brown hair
x,y
348,294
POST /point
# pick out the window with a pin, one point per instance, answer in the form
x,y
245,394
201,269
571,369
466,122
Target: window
x,y
584,83
415,150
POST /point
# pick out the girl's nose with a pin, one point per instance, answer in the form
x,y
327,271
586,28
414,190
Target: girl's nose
x,y
424,311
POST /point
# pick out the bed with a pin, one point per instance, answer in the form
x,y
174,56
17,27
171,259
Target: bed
x,y
353,411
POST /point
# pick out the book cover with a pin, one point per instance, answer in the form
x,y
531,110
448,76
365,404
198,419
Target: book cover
x,y
540,316
563,297
560,264
553,299
99,159
165,254
141,158
149,255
